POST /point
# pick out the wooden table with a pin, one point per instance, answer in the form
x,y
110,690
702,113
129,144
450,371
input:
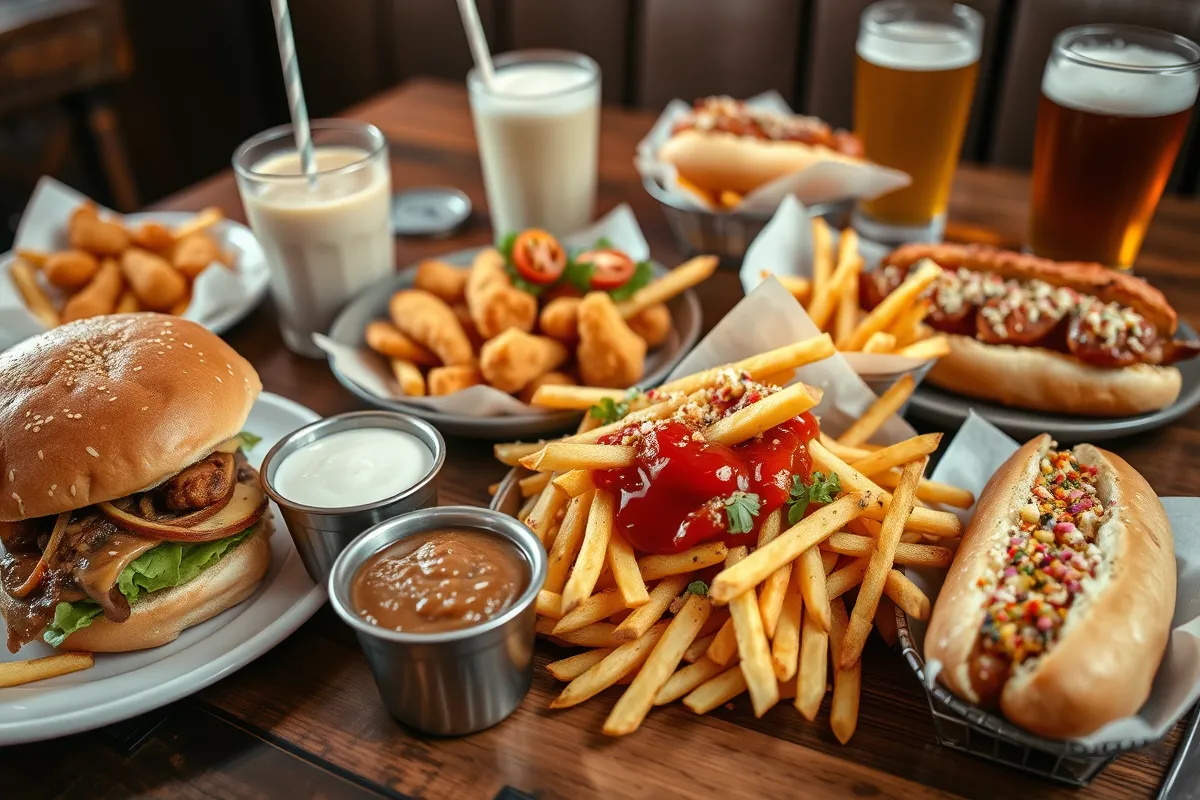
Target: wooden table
x,y
305,719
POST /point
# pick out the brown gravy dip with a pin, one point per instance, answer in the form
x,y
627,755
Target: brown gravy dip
x,y
439,581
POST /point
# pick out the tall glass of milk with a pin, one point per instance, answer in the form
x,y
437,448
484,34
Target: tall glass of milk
x,y
538,127
325,239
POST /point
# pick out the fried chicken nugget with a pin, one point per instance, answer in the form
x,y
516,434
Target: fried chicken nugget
x,y
194,253
549,379
560,319
430,322
653,324
444,280
71,269
464,318
86,231
494,303
448,380
98,297
158,285
385,338
514,359
152,236
610,354
411,381
127,303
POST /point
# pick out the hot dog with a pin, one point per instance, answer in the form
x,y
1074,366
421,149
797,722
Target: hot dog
x,y
724,145
1025,331
1057,608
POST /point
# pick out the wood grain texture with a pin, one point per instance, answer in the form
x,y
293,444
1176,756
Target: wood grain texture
x,y
313,695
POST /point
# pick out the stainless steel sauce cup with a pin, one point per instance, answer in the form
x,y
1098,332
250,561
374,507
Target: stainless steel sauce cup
x,y
321,534
456,682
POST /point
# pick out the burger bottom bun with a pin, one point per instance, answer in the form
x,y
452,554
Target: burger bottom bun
x,y
161,616
1043,380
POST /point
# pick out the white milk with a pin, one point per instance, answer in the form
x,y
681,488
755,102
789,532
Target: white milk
x,y
919,46
538,134
323,245
1098,90
353,468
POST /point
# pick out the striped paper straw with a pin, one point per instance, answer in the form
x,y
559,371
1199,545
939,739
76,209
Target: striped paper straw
x,y
295,91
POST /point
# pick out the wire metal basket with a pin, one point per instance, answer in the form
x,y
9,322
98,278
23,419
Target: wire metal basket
x,y
961,726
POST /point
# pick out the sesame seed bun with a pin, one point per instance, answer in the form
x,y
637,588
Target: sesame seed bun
x,y
100,408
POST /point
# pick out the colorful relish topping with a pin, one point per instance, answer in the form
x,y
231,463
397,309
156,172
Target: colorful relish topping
x,y
1038,572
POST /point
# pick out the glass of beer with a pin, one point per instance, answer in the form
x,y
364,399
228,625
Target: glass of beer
x,y
1114,109
918,61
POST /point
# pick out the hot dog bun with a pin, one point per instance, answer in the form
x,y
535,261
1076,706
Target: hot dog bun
x,y
1102,665
717,161
1032,377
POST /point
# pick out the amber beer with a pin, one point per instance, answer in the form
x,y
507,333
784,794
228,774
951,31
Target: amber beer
x,y
915,77
1106,140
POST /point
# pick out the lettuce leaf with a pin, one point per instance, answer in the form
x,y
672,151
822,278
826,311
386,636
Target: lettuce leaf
x,y
169,564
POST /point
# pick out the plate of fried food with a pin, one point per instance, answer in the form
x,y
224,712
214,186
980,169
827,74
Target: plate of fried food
x,y
762,549
468,339
73,259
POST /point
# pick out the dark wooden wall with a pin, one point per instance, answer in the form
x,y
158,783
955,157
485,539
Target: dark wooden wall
x,y
207,75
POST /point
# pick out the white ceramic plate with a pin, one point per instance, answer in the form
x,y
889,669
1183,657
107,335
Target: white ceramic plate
x,y
123,685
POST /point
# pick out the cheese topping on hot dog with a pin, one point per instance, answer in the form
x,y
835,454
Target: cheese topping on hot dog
x,y
1039,571
726,115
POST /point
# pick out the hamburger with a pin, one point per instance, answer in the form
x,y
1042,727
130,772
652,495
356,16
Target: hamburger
x,y
128,510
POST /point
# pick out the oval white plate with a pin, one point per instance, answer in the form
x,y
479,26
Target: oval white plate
x,y
123,685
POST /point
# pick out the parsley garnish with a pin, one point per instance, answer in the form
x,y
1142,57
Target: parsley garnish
x,y
506,246
820,490
528,287
697,587
579,274
740,509
609,410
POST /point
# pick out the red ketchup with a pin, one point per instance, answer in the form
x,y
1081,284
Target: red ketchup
x,y
673,497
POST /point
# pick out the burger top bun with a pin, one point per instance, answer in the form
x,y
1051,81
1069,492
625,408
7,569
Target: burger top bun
x,y
104,407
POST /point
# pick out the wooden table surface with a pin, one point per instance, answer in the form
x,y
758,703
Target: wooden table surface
x,y
304,720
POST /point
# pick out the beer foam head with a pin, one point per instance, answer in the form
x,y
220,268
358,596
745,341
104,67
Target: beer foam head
x,y
1096,89
537,89
917,46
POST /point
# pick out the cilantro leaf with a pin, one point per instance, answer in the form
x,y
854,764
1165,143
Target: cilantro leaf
x,y
697,587
819,490
740,510
609,410
642,275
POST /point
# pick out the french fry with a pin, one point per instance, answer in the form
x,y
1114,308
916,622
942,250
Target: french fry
x,y
880,565
847,681
888,403
18,673
572,455
527,508
386,339
807,533
598,634
930,491
203,220
574,482
848,454
927,349
829,561
900,453
723,647
785,645
716,691
779,378
594,609
408,376
846,316
534,484
905,594
620,662
729,199
789,356
840,581
637,700
651,413
754,651
643,618
886,312
574,398
623,564
567,542
799,288
827,294
654,568
549,604
907,325
571,667
675,282
755,418
549,503
686,679
909,555
34,296
822,238
698,648
592,552
811,581
770,597
880,342
511,453
812,669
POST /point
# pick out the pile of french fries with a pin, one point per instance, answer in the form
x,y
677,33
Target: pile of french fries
x,y
775,620
831,298
112,268
19,673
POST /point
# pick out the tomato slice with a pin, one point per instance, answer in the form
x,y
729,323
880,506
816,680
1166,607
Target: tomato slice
x,y
538,257
610,268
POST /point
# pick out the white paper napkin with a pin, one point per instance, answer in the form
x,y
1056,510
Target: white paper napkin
x,y
977,451
824,182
